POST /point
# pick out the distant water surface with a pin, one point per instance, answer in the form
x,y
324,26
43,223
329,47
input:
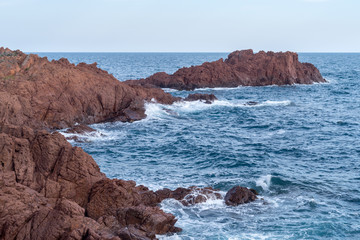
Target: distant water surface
x,y
299,147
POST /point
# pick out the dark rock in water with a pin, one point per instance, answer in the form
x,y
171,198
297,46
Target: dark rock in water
x,y
80,129
171,112
207,98
251,103
189,196
241,68
240,195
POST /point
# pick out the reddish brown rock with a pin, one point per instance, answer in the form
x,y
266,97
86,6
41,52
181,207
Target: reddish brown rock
x,y
241,68
240,195
27,214
134,207
41,94
207,98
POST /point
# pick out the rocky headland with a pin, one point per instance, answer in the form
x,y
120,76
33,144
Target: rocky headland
x,y
241,68
52,190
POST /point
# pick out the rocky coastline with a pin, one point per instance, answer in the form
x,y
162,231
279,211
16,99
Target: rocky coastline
x,y
50,188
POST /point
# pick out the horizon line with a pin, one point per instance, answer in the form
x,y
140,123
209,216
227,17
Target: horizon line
x,y
177,52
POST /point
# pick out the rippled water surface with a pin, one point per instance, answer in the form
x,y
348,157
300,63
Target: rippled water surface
x,y
299,147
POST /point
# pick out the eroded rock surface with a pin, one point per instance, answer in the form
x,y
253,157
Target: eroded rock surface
x,y
241,68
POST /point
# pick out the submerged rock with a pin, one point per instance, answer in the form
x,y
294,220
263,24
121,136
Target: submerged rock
x,y
207,98
251,103
189,196
241,68
80,129
240,195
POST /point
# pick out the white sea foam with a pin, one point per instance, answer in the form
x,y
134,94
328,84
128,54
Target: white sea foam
x,y
159,111
264,182
99,134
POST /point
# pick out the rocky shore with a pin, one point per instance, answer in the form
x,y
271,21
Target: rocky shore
x,y
241,68
50,188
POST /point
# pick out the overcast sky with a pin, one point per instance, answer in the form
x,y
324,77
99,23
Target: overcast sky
x,y
180,25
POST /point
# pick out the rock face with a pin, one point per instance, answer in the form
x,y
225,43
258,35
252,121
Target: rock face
x,y
41,94
241,68
240,195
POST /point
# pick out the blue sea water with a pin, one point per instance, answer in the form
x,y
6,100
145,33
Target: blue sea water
x,y
299,148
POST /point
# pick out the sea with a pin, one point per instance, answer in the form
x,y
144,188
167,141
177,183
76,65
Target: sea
x,y
299,147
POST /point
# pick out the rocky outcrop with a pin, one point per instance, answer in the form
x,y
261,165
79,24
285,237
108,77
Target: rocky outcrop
x,y
241,68
240,195
41,94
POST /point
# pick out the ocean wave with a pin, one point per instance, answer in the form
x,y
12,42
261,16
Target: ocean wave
x,y
159,111
264,182
98,134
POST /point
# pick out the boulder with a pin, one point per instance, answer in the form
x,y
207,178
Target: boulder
x,y
239,195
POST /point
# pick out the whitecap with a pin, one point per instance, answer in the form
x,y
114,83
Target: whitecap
x,y
97,135
155,110
264,182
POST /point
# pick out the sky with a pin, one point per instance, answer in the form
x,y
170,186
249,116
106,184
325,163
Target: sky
x,y
180,25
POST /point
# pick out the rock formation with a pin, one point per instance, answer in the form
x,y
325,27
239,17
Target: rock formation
x,y
241,68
